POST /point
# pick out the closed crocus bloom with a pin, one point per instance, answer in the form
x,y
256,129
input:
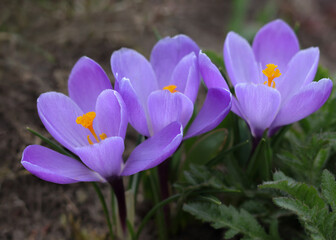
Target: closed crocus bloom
x,y
273,79
164,90
92,123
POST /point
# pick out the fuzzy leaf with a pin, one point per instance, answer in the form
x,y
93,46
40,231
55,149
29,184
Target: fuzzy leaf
x,y
328,186
201,178
303,192
222,216
306,202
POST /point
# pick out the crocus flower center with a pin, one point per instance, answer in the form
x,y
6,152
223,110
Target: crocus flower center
x,y
171,88
271,72
87,121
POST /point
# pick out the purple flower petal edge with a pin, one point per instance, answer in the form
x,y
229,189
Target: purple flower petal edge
x,y
215,108
86,81
154,150
54,167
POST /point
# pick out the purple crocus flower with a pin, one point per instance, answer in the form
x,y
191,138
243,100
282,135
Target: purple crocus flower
x,y
164,90
273,79
92,124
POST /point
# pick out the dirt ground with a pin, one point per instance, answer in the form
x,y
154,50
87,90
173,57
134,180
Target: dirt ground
x,y
41,40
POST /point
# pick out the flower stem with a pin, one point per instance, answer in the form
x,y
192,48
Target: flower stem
x,y
119,191
162,232
163,172
103,203
152,212
255,143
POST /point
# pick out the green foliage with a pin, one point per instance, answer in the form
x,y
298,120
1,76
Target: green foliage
x,y
52,144
261,161
301,191
311,206
305,159
206,147
328,187
321,72
236,221
200,178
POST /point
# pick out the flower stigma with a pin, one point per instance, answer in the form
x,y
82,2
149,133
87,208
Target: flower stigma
x,y
271,72
87,121
171,88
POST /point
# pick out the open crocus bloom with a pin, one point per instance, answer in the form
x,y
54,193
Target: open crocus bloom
x,y
164,90
92,124
273,79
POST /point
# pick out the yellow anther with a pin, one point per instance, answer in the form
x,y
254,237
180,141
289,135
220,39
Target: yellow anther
x,y
171,88
102,136
87,121
271,72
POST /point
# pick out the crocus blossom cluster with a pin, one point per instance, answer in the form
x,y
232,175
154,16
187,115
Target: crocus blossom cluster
x,y
164,90
273,79
92,123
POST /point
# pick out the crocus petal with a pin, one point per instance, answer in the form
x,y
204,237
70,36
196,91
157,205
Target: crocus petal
x,y
301,71
239,60
55,167
186,76
132,65
136,111
216,106
165,107
58,113
111,114
236,108
154,150
210,73
259,104
104,157
167,53
308,100
275,43
86,81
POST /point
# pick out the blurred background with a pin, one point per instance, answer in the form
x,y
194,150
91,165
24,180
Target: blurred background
x,y
40,41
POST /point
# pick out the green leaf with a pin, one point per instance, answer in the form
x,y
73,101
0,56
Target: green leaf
x,y
222,216
211,199
321,158
301,191
319,223
206,147
52,144
274,229
328,187
321,72
200,178
260,163
292,204
225,152
306,202
305,158
231,233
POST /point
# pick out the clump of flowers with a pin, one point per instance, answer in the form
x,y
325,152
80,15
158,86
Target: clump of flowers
x,y
273,86
273,79
92,123
165,89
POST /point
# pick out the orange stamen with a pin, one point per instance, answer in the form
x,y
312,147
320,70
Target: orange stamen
x,y
171,88
271,72
102,136
87,121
